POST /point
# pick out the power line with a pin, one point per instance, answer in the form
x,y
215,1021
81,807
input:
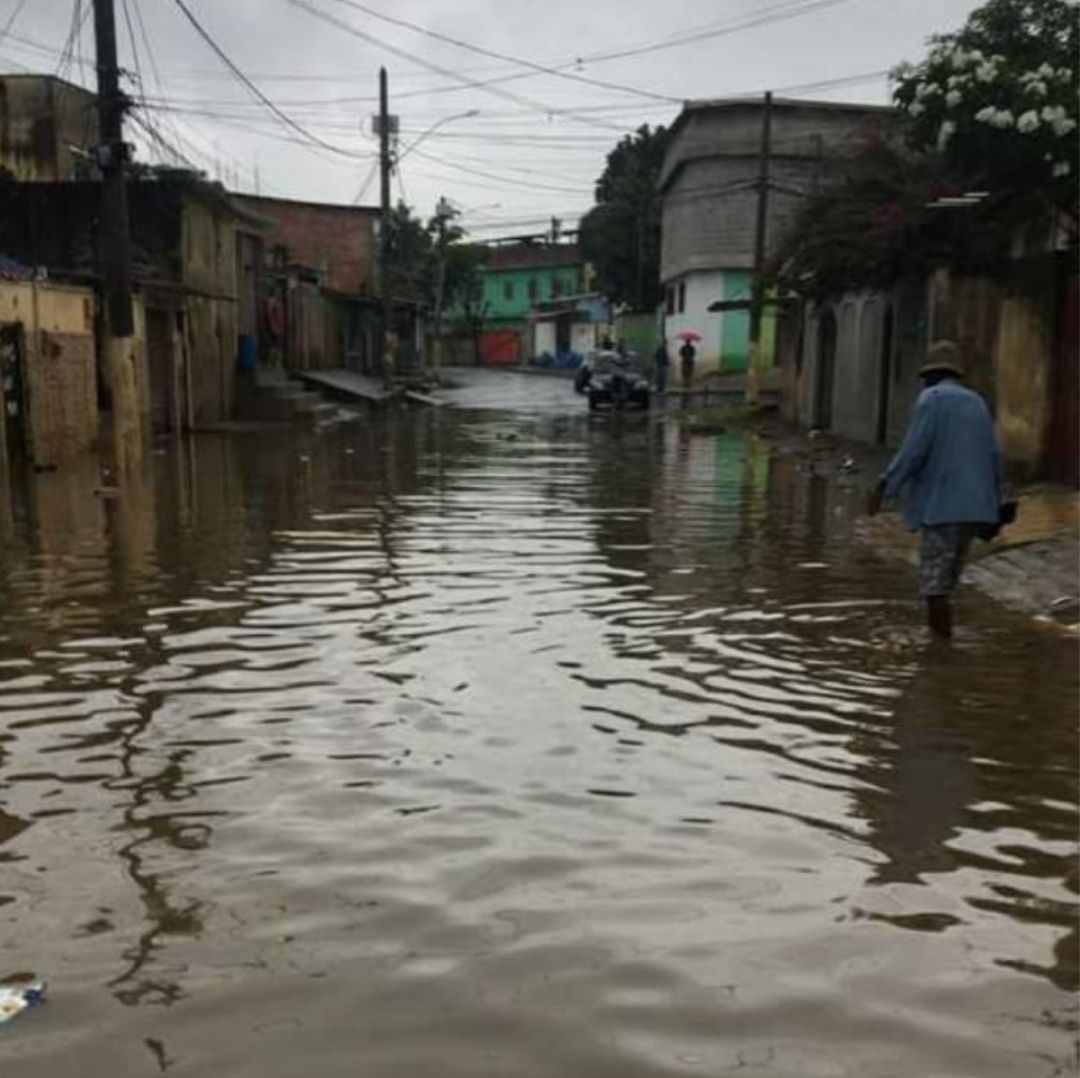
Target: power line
x,y
148,126
152,61
282,116
367,183
777,13
492,54
19,5
75,30
494,176
487,87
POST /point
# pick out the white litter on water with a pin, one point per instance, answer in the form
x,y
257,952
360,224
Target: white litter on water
x,y
16,998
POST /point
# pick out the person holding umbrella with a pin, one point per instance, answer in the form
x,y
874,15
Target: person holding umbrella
x,y
688,355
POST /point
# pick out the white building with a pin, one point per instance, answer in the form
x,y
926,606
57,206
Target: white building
x,y
709,185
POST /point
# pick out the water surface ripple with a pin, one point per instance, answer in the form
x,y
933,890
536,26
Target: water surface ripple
x,y
502,742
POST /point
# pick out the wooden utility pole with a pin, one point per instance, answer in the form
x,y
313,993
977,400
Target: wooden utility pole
x,y
114,246
385,169
757,293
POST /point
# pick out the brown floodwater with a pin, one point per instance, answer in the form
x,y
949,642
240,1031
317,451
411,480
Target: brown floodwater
x,y
499,742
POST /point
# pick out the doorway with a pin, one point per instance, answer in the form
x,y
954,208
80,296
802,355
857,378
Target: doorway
x,y
826,371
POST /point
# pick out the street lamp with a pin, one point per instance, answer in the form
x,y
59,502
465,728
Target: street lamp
x,y
435,127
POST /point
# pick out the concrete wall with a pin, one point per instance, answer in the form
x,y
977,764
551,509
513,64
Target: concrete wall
x,y
1006,332
543,338
880,338
208,245
58,370
1007,337
41,118
709,206
337,241
725,335
710,212
702,288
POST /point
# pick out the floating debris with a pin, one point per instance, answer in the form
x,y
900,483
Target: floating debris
x,y
17,997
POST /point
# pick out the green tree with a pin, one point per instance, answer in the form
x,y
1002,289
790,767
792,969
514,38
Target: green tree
x,y
410,264
873,226
620,235
998,99
992,108
424,256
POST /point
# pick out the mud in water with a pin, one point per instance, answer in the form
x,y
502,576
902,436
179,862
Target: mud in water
x,y
502,742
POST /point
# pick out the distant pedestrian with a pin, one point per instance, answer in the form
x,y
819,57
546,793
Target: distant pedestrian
x,y
662,361
688,355
948,479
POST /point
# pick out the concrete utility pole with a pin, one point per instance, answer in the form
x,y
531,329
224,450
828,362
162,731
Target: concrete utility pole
x,y
114,246
757,293
386,166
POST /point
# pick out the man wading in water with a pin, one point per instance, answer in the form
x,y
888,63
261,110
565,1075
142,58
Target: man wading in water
x,y
948,478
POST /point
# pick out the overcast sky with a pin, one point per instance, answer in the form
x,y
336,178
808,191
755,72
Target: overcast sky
x,y
532,146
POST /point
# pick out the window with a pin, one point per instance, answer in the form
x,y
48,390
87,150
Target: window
x,y
534,290
682,297
508,289
556,287
669,301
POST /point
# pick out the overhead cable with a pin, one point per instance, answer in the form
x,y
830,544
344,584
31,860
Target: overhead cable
x,y
487,87
282,116
480,50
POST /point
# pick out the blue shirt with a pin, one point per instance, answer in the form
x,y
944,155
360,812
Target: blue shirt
x,y
948,471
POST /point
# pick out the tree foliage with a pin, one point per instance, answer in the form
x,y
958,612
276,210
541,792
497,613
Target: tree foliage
x,y
992,108
421,255
998,98
620,235
873,227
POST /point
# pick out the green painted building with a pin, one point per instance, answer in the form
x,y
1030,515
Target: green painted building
x,y
515,279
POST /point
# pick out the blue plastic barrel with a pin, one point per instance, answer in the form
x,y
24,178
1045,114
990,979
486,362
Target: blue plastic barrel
x,y
247,353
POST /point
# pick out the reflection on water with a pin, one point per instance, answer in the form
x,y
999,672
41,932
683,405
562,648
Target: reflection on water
x,y
511,743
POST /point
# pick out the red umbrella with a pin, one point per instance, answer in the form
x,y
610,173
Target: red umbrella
x,y
688,335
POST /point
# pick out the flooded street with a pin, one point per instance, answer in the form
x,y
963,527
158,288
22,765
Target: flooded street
x,y
501,742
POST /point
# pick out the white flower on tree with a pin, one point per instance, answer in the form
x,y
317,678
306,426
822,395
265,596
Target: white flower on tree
x,y
1061,169
1028,122
945,132
953,98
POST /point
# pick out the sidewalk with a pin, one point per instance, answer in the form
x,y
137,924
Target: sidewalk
x,y
1032,566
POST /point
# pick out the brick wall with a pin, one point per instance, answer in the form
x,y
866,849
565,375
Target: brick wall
x,y
61,394
338,241
58,366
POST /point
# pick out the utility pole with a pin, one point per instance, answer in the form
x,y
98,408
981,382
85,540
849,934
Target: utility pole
x,y
385,170
114,245
444,212
757,293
